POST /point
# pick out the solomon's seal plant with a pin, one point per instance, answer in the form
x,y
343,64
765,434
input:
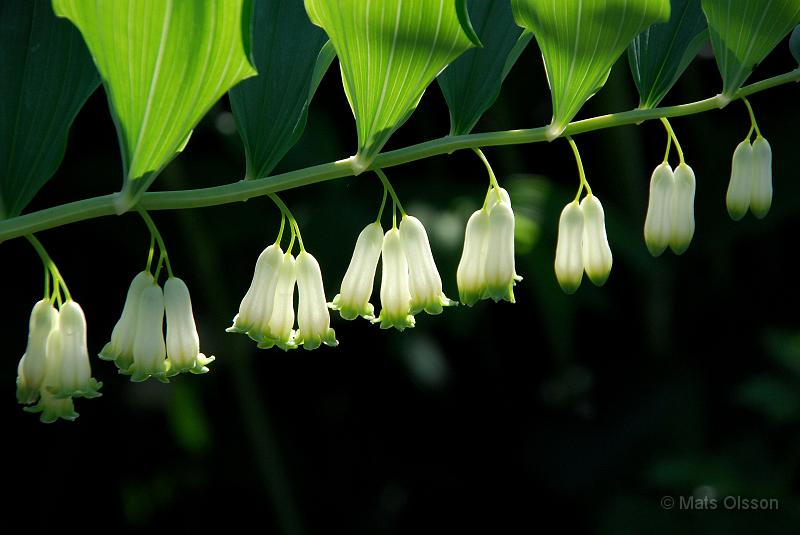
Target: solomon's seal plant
x,y
162,68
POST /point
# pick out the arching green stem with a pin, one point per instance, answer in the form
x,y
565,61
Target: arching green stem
x,y
671,134
246,189
154,233
579,162
383,204
293,226
49,265
669,146
492,179
388,185
753,123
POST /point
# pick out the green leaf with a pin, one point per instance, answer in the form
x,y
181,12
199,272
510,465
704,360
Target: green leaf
x,y
659,55
580,41
472,83
743,32
164,63
271,109
389,52
46,75
794,43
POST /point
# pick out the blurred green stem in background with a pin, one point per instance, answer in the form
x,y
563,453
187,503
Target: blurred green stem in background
x,y
243,190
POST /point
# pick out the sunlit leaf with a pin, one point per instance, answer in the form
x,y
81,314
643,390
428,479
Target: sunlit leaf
x,y
580,40
271,108
659,55
164,63
46,74
743,32
389,52
472,83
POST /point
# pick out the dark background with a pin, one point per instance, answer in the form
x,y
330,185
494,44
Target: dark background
x,y
680,377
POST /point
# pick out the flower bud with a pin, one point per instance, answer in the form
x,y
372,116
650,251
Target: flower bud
x,y
183,342
682,209
425,284
279,330
313,319
395,292
500,271
120,348
658,223
353,298
74,378
32,366
569,248
257,304
596,251
740,187
471,274
761,198
149,348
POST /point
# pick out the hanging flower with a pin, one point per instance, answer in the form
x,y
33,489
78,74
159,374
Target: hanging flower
x,y
120,348
313,319
256,307
658,223
682,209
597,257
279,331
149,348
395,292
569,248
471,274
500,271
74,374
761,198
740,188
183,342
32,365
425,284
353,298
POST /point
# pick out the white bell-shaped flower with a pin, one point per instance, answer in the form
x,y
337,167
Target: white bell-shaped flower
x,y
761,197
279,330
313,318
256,306
493,198
395,291
51,407
740,187
183,342
682,209
597,257
569,248
74,377
424,281
32,365
471,274
149,348
120,348
500,270
658,222
353,298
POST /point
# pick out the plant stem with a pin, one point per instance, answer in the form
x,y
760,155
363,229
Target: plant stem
x,y
753,123
293,226
243,190
388,185
492,179
58,280
671,134
154,233
581,173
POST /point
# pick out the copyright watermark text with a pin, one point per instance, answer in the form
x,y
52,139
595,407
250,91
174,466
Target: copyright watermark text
x,y
708,503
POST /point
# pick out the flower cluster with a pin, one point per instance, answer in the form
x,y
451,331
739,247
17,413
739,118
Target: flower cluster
x,y
670,210
582,244
410,281
266,313
55,367
751,179
138,346
487,269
